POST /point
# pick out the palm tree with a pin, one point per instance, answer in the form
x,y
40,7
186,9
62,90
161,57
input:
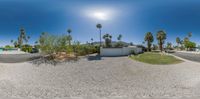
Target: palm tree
x,y
11,41
186,39
119,37
178,41
107,38
161,36
169,45
99,26
149,39
190,34
36,42
27,39
69,36
16,44
91,41
21,37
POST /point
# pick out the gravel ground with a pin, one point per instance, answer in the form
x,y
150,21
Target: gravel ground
x,y
105,77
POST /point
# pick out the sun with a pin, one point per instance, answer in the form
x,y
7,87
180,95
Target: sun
x,y
100,15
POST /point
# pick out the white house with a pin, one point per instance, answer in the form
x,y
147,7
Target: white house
x,y
120,51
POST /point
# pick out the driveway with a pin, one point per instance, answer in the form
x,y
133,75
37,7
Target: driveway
x,y
188,56
15,58
108,77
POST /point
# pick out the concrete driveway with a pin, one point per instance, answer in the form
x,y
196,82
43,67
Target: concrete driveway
x,y
15,58
100,78
188,56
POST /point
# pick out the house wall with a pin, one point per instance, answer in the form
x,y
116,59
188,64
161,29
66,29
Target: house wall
x,y
119,51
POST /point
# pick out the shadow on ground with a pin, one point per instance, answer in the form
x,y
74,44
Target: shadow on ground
x,y
94,57
50,61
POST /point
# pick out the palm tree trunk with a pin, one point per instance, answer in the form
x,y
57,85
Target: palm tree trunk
x,y
160,45
69,42
149,46
100,37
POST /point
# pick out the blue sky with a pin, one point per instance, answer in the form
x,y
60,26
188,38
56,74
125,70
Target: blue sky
x,y
131,18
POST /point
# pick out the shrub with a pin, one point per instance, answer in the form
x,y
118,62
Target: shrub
x,y
8,47
26,48
119,44
52,45
133,52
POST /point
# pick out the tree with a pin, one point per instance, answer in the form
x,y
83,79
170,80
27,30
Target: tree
x,y
178,41
161,37
169,45
149,39
190,45
186,39
92,41
42,38
99,26
22,37
11,41
190,34
119,37
69,36
119,43
36,42
27,39
107,38
16,44
131,43
155,47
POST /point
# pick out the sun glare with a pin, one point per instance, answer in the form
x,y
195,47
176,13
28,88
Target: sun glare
x,y
100,15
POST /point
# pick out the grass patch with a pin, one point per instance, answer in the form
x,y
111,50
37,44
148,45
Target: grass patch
x,y
156,58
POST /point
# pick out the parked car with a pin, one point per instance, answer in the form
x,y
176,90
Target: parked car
x,y
169,51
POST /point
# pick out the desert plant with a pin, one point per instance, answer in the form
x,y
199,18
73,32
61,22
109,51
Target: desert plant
x,y
48,43
26,48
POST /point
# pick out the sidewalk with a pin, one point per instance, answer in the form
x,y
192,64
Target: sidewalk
x,y
192,52
13,52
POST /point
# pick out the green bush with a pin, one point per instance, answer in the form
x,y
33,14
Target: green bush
x,y
133,52
190,44
50,44
26,48
8,47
